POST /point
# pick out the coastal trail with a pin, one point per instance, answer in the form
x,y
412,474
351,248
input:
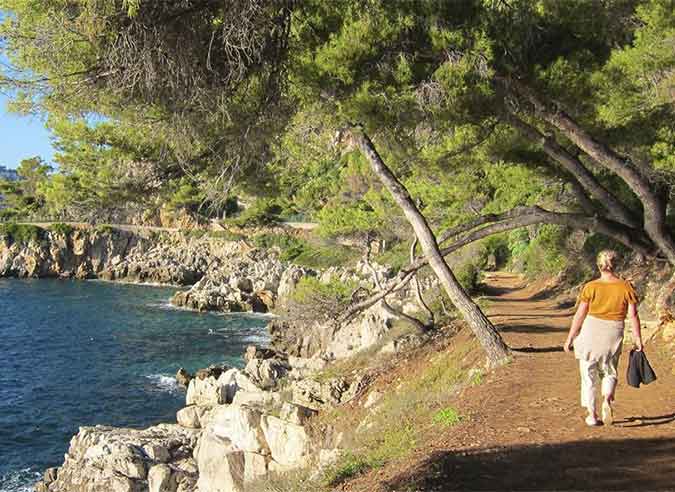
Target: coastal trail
x,y
523,427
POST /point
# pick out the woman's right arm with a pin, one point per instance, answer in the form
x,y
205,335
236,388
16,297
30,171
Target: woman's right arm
x,y
578,320
634,319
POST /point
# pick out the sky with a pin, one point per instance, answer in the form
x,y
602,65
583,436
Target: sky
x,y
22,137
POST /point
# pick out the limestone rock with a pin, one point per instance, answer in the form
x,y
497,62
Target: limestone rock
x,y
191,417
240,426
318,394
267,372
255,352
212,386
296,414
247,282
288,442
221,468
261,399
183,377
104,459
160,479
50,475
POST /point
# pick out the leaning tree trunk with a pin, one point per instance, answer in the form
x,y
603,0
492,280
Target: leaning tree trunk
x,y
494,346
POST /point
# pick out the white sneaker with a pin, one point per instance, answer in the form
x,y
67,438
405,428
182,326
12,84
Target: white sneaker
x,y
607,413
591,421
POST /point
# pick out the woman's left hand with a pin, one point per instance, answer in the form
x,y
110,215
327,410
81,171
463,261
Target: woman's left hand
x,y
567,347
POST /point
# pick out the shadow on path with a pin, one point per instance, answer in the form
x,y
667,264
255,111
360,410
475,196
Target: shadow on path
x,y
628,464
537,350
646,422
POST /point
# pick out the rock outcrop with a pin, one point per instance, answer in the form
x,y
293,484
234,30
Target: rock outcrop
x,y
109,254
249,282
107,459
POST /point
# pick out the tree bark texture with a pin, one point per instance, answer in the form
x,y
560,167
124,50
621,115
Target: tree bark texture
x,y
493,344
653,202
574,166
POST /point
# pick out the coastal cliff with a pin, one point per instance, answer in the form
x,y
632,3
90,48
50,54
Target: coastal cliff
x,y
238,425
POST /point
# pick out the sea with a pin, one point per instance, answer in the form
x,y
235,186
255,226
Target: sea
x,y
79,353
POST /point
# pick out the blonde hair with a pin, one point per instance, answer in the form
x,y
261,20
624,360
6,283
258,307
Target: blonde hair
x,y
606,260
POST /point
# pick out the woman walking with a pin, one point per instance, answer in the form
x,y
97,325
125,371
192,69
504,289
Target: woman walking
x,y
597,334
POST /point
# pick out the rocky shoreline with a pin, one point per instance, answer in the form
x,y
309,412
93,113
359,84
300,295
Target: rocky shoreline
x,y
235,428
237,425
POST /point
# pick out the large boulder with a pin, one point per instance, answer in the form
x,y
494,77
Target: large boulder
x,y
232,449
267,372
317,394
212,387
191,417
239,425
288,443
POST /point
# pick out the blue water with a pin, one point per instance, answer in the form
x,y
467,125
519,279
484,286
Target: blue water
x,y
86,353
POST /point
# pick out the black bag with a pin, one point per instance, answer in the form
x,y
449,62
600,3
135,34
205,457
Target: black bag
x,y
639,370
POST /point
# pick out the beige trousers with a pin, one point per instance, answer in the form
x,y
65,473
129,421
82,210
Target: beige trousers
x,y
597,373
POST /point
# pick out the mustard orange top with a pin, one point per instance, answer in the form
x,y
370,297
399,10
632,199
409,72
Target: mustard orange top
x,y
608,300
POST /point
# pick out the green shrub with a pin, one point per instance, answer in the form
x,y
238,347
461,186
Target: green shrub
x,y
290,246
546,253
8,214
595,243
497,245
517,242
304,253
62,229
104,229
326,256
195,233
310,290
447,417
262,213
348,467
468,275
21,233
396,257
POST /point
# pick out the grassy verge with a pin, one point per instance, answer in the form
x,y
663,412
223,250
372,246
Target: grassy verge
x,y
21,233
410,412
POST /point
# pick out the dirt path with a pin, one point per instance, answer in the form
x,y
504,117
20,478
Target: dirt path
x,y
524,428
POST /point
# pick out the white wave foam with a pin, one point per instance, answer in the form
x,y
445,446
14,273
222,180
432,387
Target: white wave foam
x,y
165,305
164,383
257,338
19,480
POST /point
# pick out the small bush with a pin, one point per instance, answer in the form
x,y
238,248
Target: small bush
x,y
447,417
290,246
348,467
311,290
395,257
498,246
194,233
21,233
8,214
546,253
104,229
261,213
468,275
61,229
304,253
325,256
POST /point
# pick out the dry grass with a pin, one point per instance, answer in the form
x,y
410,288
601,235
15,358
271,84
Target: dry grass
x,y
412,407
